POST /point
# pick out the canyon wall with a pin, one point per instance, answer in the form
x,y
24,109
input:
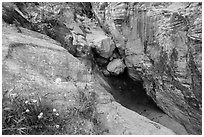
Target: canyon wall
x,y
161,45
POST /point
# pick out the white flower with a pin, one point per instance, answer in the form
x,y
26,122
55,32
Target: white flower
x,y
34,101
57,114
57,126
54,110
27,110
58,80
26,102
40,115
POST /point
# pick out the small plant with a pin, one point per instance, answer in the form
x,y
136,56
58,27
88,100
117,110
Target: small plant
x,y
38,117
23,117
81,115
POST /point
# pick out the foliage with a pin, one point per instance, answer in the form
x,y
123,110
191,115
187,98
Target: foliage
x,y
38,117
30,117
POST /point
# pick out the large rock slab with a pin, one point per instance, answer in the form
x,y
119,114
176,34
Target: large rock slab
x,y
122,121
36,66
118,120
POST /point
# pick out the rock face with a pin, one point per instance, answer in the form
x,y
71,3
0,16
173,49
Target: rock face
x,y
59,21
33,65
161,45
118,123
119,11
116,66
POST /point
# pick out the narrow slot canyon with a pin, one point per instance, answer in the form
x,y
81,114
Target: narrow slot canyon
x,y
132,95
116,68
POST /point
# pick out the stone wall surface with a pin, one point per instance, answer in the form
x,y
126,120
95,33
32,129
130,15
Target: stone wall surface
x,y
162,47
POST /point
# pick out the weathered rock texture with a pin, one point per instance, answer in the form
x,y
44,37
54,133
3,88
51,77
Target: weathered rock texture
x,y
159,43
59,21
36,66
162,46
105,48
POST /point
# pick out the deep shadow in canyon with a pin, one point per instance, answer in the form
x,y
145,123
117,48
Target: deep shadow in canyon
x,y
132,95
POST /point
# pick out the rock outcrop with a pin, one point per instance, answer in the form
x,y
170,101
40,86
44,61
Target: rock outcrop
x,y
36,66
161,46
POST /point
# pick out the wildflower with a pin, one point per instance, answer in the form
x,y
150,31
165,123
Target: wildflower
x,y
57,114
57,126
26,102
34,101
27,110
58,80
40,115
54,110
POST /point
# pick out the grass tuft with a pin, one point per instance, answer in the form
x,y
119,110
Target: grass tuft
x,y
22,116
30,117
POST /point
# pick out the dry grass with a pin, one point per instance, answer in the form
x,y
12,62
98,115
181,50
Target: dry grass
x,y
38,117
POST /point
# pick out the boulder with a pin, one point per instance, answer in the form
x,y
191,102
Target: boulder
x,y
106,47
108,23
102,44
118,38
116,66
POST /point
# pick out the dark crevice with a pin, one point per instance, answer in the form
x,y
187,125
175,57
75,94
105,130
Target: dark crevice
x,y
130,93
125,90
